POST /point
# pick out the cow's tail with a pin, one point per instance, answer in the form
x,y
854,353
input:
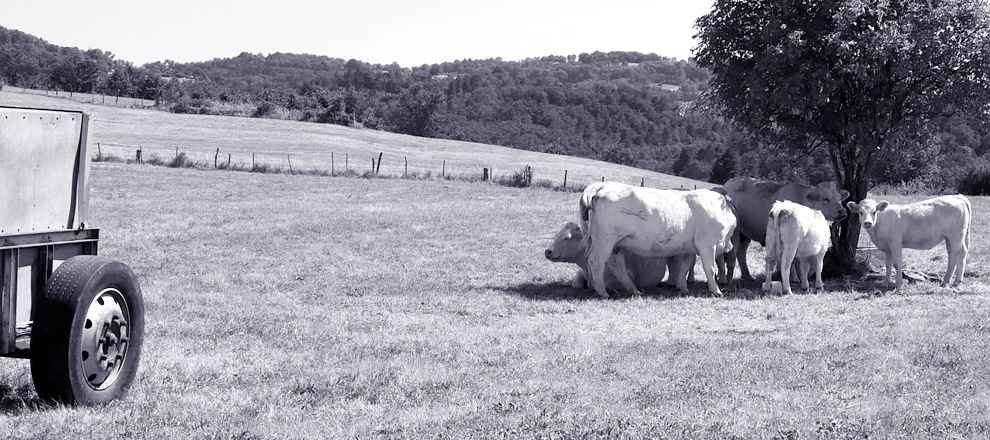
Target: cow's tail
x,y
969,220
775,243
585,211
586,205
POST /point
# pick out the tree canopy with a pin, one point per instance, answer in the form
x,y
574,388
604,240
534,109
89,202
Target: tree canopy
x,y
859,80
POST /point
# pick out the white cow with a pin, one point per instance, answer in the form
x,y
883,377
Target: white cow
x,y
653,223
795,231
569,247
919,225
753,199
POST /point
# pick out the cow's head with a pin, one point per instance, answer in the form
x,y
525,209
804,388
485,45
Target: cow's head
x,y
567,245
867,211
827,198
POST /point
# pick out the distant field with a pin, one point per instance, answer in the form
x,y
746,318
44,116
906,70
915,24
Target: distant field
x,y
311,146
87,98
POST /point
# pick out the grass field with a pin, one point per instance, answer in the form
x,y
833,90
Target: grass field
x,y
310,146
289,306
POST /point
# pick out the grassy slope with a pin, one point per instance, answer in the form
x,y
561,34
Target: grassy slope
x,y
120,131
304,307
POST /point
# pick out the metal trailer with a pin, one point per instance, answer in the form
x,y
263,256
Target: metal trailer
x,y
78,316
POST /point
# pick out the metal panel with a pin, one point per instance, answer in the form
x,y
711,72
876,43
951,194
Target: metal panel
x,y
82,236
43,170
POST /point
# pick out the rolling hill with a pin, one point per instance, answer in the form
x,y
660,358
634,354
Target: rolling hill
x,y
308,146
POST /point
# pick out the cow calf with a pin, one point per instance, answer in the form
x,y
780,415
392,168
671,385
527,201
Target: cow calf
x,y
796,232
569,247
919,225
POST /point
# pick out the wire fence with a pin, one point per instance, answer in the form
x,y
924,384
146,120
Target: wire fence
x,y
379,165
88,98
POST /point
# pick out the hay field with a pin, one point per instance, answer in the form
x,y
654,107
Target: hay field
x,y
288,306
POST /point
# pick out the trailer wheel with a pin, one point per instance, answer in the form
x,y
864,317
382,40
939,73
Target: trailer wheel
x,y
87,332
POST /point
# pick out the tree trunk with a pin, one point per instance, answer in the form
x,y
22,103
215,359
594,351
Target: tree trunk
x,y
846,233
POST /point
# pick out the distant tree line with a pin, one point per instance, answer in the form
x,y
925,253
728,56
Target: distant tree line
x,y
630,108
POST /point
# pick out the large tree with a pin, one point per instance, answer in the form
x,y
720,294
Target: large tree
x,y
847,76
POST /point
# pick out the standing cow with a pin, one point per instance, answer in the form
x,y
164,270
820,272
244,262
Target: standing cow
x,y
753,199
653,223
919,225
569,247
798,232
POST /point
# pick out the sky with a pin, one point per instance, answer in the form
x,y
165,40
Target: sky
x,y
410,33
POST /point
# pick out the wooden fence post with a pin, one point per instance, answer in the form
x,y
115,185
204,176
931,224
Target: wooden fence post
x,y
405,170
289,158
331,163
484,174
642,181
137,156
565,179
252,162
443,171
99,152
347,166
228,161
379,167
216,157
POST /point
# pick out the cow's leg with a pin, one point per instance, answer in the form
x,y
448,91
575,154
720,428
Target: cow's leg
x,y
707,255
889,261
688,264
598,257
957,261
680,265
897,258
961,266
771,261
730,261
803,267
720,264
786,261
951,257
819,262
579,282
744,242
617,264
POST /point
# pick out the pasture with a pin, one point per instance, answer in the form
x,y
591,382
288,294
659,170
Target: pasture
x,y
309,146
292,306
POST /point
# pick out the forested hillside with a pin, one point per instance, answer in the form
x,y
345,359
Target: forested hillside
x,y
630,108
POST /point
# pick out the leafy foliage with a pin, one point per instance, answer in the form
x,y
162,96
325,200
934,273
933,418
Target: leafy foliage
x,y
851,77
628,108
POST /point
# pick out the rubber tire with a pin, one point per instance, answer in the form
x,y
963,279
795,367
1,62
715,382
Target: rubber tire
x,y
60,314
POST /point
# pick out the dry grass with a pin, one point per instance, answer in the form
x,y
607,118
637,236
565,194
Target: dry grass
x,y
314,307
291,306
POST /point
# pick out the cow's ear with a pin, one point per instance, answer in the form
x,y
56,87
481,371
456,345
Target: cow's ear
x,y
844,194
853,206
881,206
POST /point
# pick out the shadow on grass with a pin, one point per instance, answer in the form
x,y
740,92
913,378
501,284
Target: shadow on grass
x,y
20,399
870,286
564,292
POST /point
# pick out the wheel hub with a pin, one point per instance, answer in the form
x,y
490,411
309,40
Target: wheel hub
x,y
105,335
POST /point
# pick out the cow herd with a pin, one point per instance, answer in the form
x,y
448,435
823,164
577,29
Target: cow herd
x,y
630,237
